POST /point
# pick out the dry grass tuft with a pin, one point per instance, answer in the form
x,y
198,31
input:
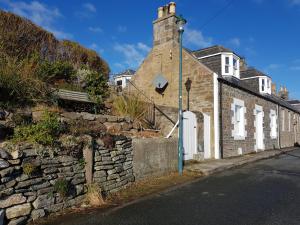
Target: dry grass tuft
x,y
94,195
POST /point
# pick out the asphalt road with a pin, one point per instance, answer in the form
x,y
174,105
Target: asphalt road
x,y
263,193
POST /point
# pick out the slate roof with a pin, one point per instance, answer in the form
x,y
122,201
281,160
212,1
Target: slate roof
x,y
252,72
294,102
211,50
241,85
126,72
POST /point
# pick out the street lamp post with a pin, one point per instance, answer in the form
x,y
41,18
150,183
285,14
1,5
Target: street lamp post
x,y
180,23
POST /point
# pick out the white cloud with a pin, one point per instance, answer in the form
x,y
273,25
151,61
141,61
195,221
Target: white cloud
x,y
133,54
195,38
295,2
38,13
122,29
273,66
235,42
297,68
90,7
95,29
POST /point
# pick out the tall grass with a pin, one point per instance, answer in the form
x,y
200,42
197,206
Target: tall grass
x,y
131,106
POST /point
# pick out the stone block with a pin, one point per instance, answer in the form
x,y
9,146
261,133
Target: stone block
x,y
19,221
2,213
50,170
79,189
10,184
12,200
4,154
16,154
98,174
37,213
14,161
30,182
17,211
6,192
40,186
3,164
46,190
6,172
43,201
104,167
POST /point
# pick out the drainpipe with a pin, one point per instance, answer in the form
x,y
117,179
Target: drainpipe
x,y
279,127
220,118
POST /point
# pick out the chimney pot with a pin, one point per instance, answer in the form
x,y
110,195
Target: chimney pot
x,y
172,7
160,12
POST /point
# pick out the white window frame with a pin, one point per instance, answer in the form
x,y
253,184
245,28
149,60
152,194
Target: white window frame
x,y
267,87
273,124
289,121
233,70
283,120
239,126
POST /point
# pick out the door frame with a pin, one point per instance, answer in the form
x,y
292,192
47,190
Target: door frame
x,y
259,134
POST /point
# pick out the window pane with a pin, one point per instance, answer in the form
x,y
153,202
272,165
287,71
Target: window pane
x,y
227,60
226,69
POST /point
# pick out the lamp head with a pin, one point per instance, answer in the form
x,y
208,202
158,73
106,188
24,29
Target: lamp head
x,y
180,23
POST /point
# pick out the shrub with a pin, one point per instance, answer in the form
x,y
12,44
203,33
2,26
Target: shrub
x,y
29,168
80,127
61,186
17,87
94,195
96,86
57,70
44,132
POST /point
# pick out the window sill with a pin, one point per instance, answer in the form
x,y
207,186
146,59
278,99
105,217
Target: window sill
x,y
239,137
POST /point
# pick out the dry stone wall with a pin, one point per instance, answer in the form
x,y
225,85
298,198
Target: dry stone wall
x,y
36,180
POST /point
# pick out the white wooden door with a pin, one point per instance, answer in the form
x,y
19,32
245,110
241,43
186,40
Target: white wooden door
x,y
189,135
259,130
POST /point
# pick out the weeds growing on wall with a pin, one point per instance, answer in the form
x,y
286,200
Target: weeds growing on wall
x,y
44,132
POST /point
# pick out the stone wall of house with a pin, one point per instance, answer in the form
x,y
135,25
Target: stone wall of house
x,y
290,128
32,176
232,147
164,60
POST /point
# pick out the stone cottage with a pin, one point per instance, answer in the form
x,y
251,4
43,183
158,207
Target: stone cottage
x,y
236,109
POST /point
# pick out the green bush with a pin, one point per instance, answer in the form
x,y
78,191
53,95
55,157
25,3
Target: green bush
x,y
96,86
44,132
57,70
17,87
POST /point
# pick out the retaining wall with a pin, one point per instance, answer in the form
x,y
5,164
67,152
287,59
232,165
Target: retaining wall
x,y
154,157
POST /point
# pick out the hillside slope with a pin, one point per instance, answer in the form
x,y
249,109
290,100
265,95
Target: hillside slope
x,y
20,38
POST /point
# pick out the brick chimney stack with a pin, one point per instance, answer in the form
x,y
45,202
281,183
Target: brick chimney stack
x,y
283,93
165,27
273,89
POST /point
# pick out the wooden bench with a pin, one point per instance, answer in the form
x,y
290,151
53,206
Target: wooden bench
x,y
72,95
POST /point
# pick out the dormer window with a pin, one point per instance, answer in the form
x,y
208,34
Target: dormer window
x,y
265,85
230,65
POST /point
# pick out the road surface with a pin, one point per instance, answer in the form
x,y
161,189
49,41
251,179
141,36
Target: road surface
x,y
263,193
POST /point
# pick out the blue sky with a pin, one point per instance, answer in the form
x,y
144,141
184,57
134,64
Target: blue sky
x,y
266,32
